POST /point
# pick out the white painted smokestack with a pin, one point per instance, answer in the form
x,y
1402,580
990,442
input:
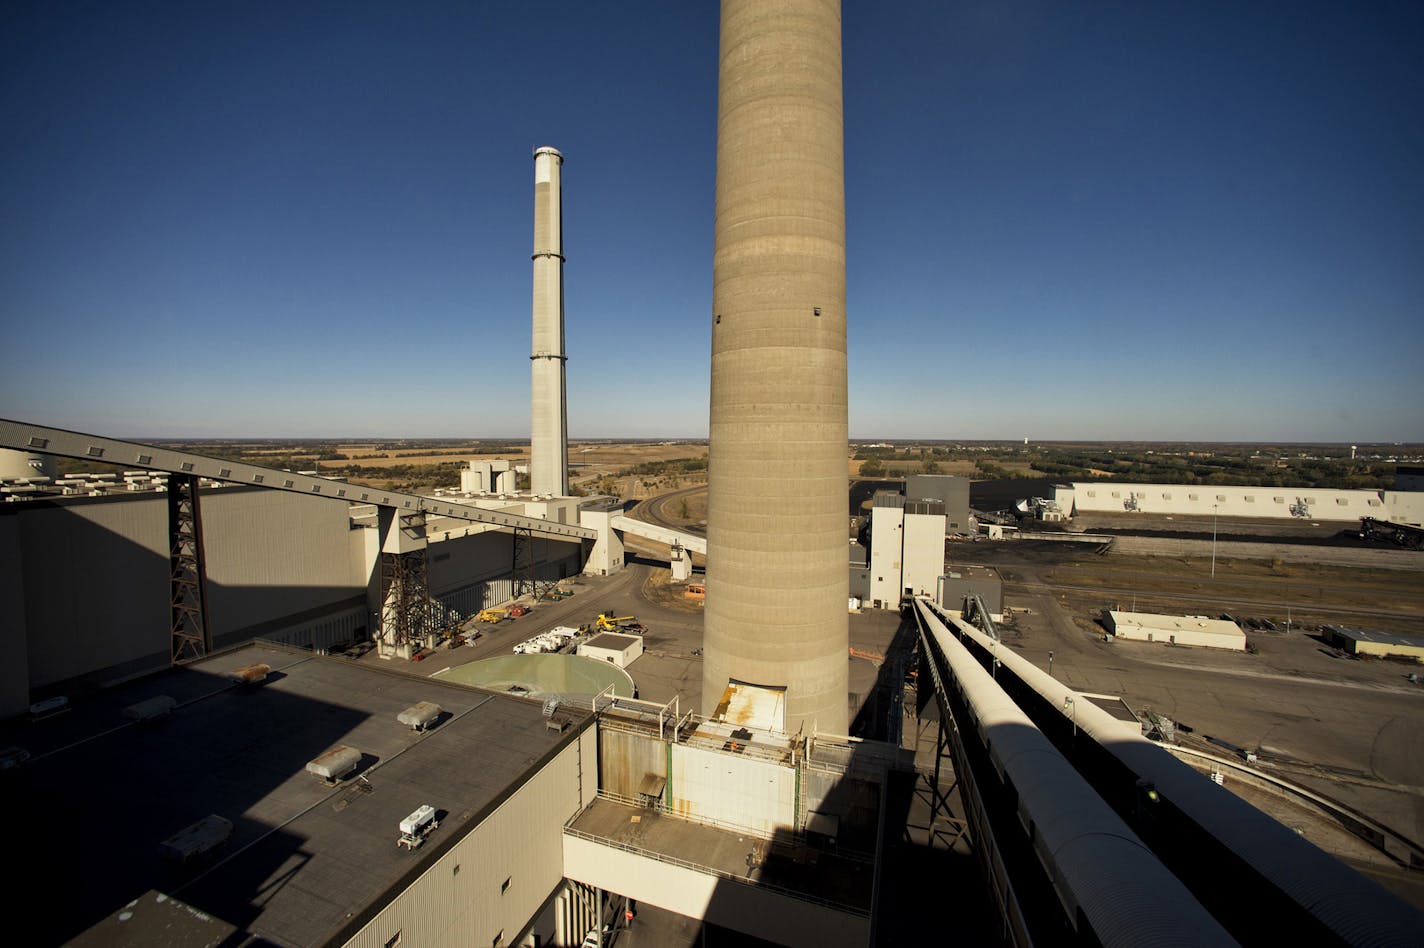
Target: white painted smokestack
x,y
549,428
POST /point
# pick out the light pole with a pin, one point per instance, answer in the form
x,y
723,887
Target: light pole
x,y
1050,663
1213,541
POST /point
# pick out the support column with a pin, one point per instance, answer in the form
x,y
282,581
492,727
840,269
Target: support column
x,y
191,632
681,563
408,614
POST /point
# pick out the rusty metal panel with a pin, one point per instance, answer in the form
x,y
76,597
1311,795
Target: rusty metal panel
x,y
625,758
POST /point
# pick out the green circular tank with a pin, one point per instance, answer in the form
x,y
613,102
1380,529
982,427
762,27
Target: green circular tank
x,y
543,674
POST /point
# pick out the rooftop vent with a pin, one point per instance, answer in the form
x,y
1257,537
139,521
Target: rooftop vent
x,y
421,715
154,709
201,837
250,674
336,764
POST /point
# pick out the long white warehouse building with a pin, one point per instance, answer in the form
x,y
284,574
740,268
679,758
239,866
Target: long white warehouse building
x,y
1204,500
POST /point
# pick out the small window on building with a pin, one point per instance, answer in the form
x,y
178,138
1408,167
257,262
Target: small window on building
x,y
145,459
505,888
1166,496
1092,493
455,870
1220,496
1373,503
954,526
1191,497
287,483
1249,499
1310,500
393,940
1342,501
1279,500
1116,494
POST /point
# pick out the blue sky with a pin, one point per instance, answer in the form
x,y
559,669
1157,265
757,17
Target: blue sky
x,y
1129,220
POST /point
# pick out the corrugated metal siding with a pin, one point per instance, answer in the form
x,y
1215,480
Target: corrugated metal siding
x,y
522,841
624,759
742,791
15,670
324,632
272,553
96,584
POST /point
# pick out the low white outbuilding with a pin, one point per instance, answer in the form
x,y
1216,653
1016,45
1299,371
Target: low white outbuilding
x,y
620,649
1177,630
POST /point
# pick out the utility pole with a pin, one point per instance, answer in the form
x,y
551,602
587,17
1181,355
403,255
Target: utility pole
x,y
1213,541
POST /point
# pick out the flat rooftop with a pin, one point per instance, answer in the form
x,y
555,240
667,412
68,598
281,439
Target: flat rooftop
x,y
612,640
796,868
304,861
1152,620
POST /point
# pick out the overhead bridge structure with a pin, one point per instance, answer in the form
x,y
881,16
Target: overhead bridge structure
x,y
407,612
681,545
1070,808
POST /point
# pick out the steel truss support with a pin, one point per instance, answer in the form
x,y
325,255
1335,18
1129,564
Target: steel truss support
x,y
191,632
526,578
940,809
408,613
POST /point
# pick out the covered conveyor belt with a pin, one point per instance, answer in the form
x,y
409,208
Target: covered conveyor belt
x,y
1063,868
26,437
1217,843
641,528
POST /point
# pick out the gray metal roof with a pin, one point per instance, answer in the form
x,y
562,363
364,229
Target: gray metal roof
x,y
303,859
1377,635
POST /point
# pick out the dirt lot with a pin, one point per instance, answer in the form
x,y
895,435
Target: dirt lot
x,y
1305,594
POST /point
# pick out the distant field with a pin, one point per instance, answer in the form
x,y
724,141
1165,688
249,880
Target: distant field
x,y
902,468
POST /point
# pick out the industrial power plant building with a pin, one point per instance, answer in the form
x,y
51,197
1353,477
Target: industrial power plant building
x,y
459,816
226,782
280,566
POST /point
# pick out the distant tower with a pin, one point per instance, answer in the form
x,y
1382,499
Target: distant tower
x,y
549,426
777,573
1352,452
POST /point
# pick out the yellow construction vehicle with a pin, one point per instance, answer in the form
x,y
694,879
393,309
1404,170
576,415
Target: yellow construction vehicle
x,y
492,616
607,623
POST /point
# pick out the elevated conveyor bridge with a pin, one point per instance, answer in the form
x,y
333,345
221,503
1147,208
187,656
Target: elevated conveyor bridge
x,y
1264,883
408,613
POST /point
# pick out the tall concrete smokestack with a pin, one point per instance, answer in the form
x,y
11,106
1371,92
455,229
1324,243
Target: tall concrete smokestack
x,y
777,580
549,426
